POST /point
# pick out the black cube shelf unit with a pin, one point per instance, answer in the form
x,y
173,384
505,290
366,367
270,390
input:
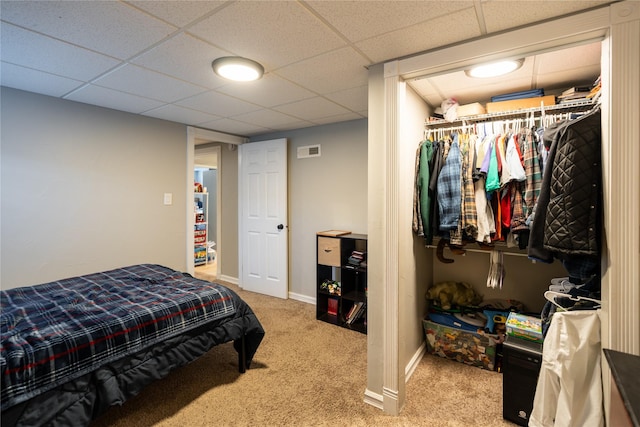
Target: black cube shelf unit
x,y
342,259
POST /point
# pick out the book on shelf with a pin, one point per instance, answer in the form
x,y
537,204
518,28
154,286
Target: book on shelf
x,y
350,313
355,313
332,306
576,89
355,259
361,311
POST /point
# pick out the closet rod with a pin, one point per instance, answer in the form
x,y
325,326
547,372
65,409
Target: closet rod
x,y
582,104
488,252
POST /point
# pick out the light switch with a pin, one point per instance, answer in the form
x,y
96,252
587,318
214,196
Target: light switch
x,y
168,198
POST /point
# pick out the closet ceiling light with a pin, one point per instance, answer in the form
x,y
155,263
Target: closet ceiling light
x,y
237,68
494,69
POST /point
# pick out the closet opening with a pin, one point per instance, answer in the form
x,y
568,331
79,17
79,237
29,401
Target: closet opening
x,y
489,170
549,87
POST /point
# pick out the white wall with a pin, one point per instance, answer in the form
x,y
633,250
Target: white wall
x,y
82,189
415,260
326,192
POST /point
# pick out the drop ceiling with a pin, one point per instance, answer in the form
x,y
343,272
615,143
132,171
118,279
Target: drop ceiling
x,y
153,58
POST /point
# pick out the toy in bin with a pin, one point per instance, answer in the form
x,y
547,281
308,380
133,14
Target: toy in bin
x,y
496,321
524,327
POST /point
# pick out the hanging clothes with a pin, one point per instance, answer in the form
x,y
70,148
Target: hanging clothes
x,y
532,171
514,163
469,210
421,197
567,215
484,213
449,194
489,187
493,179
437,162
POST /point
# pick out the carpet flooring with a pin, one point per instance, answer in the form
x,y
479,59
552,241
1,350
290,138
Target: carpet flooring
x,y
307,373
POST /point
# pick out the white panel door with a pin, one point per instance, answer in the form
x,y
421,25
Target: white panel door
x,y
263,217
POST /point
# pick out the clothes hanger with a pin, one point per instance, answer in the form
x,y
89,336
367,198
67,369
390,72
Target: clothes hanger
x,y
551,296
496,270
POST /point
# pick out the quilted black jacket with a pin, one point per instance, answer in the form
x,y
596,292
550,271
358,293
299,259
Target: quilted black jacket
x,y
567,218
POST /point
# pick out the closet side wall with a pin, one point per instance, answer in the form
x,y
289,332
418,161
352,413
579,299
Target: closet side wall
x,y
415,263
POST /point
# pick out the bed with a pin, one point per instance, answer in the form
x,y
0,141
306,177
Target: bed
x,y
72,348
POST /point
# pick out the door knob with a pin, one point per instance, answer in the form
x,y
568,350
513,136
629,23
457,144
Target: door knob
x,y
280,226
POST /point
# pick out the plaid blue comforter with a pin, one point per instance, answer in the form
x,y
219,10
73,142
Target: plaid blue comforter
x,y
54,332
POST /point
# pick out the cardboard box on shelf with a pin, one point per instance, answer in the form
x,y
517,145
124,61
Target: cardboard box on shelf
x,y
520,104
473,109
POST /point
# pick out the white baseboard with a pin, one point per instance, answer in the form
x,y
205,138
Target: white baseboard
x,y
373,399
413,363
232,280
377,400
302,298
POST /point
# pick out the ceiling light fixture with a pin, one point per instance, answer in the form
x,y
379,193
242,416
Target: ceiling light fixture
x,y
237,68
494,69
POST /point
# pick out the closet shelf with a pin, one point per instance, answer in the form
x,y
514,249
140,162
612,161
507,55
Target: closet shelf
x,y
568,106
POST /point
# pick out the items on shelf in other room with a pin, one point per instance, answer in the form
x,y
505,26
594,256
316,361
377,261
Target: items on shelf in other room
x,y
331,286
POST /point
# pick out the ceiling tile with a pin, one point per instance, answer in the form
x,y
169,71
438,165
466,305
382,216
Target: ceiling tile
x,y
274,33
355,99
338,70
268,118
218,104
269,91
31,50
579,56
176,113
380,17
420,37
108,98
339,118
235,127
30,80
178,13
313,108
524,12
424,87
191,60
109,27
139,81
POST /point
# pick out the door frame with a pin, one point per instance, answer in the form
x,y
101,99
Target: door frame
x,y
197,136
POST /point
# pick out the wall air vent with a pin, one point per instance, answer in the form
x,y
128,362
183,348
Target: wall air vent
x,y
309,151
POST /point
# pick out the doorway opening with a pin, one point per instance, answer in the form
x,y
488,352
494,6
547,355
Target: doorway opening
x,y
206,203
203,142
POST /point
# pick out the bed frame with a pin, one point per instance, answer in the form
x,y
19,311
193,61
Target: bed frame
x,y
84,394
